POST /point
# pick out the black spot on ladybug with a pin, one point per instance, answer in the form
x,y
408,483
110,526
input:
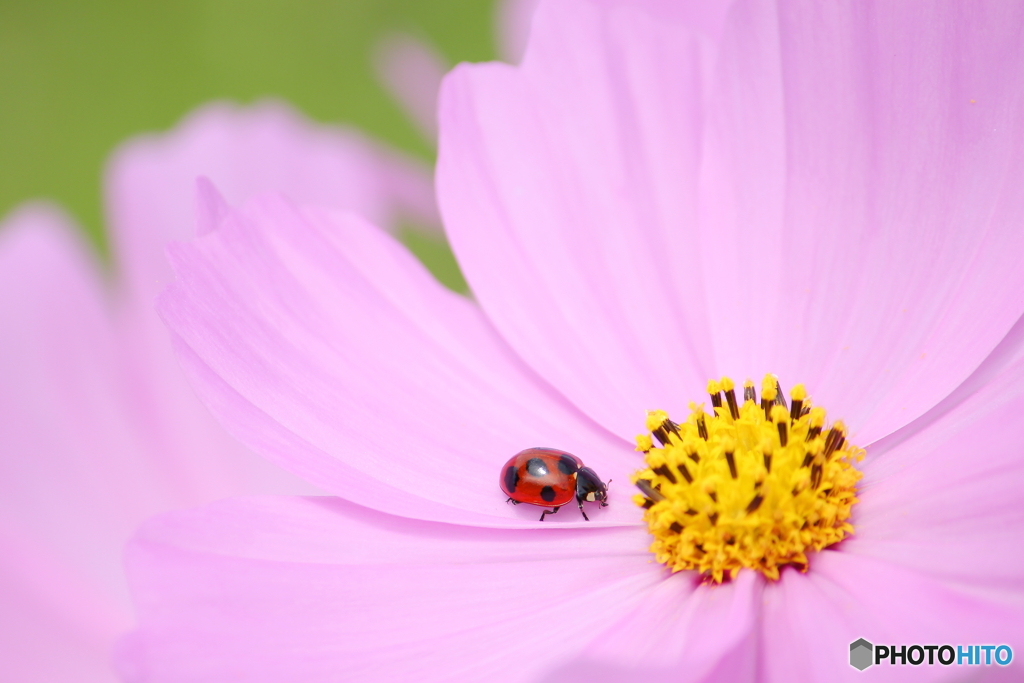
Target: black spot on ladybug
x,y
537,468
566,465
547,493
511,478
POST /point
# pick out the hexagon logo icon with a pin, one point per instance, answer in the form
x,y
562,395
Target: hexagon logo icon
x,y
860,654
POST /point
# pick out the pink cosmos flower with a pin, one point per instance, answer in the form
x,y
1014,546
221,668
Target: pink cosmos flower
x,y
659,194
98,429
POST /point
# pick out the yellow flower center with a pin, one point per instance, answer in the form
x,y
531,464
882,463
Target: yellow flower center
x,y
756,484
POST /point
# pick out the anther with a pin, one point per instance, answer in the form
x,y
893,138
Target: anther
x,y
709,490
662,433
714,390
730,397
817,421
781,417
681,466
780,398
675,527
749,393
731,459
798,394
702,428
768,393
813,452
836,437
665,472
755,503
645,487
660,426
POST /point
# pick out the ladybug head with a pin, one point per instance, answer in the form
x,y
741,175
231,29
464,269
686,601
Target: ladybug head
x,y
590,488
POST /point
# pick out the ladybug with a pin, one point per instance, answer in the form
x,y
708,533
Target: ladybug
x,y
549,477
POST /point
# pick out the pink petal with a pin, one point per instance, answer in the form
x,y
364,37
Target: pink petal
x,y
411,70
99,428
324,345
98,432
53,625
639,209
559,183
1008,352
67,476
868,180
269,147
275,589
513,19
943,501
512,27
681,632
811,619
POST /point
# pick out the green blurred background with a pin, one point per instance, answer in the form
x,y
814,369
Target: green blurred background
x,y
78,77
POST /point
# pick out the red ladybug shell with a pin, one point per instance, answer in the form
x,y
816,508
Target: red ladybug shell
x,y
541,476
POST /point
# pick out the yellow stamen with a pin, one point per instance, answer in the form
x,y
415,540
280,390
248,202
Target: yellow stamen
x,y
644,443
756,485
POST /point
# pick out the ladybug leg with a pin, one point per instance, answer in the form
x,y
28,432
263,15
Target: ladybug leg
x,y
548,512
514,502
580,501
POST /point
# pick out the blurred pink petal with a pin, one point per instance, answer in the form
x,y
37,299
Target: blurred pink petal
x,y
411,69
656,196
613,211
274,354
244,151
310,578
512,21
68,466
82,465
99,428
